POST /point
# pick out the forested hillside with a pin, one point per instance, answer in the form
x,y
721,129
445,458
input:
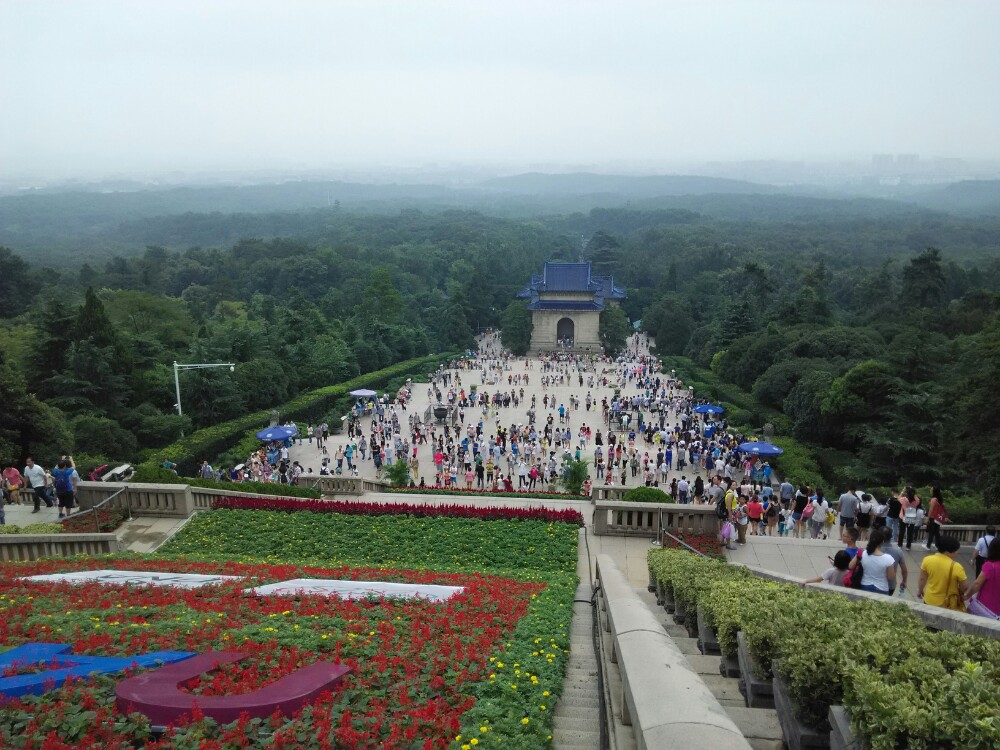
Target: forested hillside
x,y
866,329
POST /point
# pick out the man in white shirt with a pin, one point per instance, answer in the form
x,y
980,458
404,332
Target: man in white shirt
x,y
36,477
982,545
683,487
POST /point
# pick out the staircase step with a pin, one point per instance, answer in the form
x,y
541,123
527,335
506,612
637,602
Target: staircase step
x,y
757,723
577,725
688,646
704,664
570,739
585,713
723,688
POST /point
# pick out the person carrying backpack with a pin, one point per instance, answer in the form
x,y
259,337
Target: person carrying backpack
x,y
65,486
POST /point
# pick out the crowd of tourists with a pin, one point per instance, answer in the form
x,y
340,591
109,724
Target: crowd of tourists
x,y
55,488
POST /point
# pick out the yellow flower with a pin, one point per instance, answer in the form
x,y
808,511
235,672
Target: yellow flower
x,y
545,693
473,741
542,707
524,720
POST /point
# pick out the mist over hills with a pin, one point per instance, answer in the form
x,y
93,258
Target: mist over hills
x,y
101,220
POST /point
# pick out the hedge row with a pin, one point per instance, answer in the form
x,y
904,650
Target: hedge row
x,y
209,442
901,684
157,475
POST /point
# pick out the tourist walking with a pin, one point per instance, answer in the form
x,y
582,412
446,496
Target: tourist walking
x,y
984,594
943,582
878,567
980,551
38,480
910,514
937,516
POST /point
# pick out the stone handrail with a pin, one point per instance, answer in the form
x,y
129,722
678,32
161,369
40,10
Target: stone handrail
x,y
15,547
965,533
665,702
335,485
607,492
157,500
645,519
935,618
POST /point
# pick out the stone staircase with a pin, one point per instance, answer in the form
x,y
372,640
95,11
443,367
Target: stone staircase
x,y
760,726
577,720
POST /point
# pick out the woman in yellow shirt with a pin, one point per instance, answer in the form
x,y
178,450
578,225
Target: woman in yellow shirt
x,y
943,581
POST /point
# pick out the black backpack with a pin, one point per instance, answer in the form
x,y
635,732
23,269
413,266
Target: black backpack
x,y
720,507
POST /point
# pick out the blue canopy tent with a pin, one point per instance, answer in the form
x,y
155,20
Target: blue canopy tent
x,y
708,409
760,449
278,432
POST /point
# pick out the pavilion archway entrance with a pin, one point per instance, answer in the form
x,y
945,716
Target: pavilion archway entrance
x,y
565,330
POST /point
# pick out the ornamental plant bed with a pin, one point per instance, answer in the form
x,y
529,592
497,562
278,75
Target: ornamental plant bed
x,y
394,541
485,664
554,495
903,685
100,520
842,737
797,736
708,643
757,692
365,508
706,544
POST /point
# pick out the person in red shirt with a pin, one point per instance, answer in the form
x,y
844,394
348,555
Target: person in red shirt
x,y
755,511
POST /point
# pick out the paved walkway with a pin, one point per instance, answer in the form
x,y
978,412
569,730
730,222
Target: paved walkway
x,y
309,455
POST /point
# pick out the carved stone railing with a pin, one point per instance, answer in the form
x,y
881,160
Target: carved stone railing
x,y
14,547
651,519
347,485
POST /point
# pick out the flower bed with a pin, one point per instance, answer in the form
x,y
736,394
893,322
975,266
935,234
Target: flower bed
x,y
902,685
486,665
487,493
706,544
107,519
398,541
364,508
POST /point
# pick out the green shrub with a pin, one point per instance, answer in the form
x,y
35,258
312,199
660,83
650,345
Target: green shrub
x,y
397,473
646,495
146,473
574,474
31,528
903,685
797,464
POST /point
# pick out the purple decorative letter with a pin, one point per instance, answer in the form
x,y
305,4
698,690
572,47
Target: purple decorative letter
x,y
157,693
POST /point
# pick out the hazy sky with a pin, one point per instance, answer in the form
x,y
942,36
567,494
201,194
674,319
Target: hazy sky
x,y
95,87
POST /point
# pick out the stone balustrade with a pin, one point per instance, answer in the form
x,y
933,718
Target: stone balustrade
x,y
158,500
652,519
334,485
16,547
665,702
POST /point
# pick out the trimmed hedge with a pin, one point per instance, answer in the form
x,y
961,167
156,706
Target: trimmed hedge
x,y
209,442
159,475
646,495
901,684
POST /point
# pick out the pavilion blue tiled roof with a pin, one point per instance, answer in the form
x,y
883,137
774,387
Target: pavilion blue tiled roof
x,y
555,304
574,278
567,277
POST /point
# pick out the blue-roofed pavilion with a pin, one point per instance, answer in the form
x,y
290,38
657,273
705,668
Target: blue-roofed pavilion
x,y
566,300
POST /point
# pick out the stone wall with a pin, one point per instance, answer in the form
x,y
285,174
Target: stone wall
x,y
586,326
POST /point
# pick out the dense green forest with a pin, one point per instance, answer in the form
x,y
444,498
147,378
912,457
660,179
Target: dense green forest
x,y
868,330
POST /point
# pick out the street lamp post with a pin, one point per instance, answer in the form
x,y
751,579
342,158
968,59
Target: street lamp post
x,y
179,367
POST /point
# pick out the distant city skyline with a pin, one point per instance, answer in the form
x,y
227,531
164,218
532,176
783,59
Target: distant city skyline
x,y
112,87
